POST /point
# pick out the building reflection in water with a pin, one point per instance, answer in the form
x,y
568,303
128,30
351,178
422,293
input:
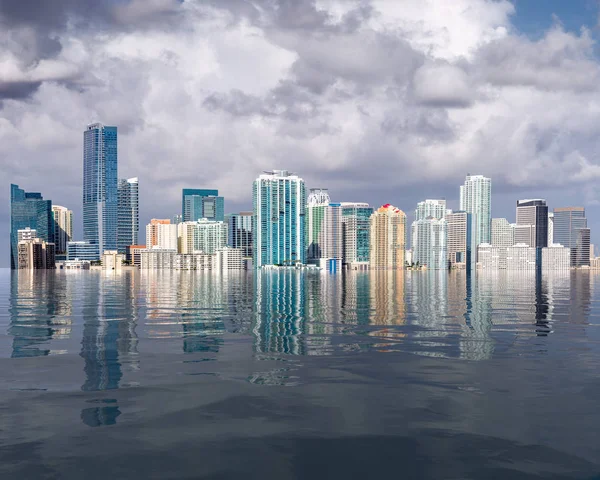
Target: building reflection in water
x,y
109,337
280,311
188,305
388,309
40,311
101,416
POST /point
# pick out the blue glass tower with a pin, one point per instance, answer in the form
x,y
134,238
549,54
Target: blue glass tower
x,y
279,209
202,203
100,197
29,210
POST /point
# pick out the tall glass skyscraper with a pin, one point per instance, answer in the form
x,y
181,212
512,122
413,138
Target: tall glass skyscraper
x,y
100,194
356,218
239,232
202,203
476,199
128,214
569,223
279,199
63,228
28,210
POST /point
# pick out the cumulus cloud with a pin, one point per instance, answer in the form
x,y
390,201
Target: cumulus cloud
x,y
370,98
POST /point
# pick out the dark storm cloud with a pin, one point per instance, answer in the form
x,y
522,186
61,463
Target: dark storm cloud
x,y
17,90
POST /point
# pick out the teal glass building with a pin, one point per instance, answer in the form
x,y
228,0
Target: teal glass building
x,y
29,209
279,200
202,203
100,191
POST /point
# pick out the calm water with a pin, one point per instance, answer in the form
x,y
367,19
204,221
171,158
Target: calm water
x,y
299,375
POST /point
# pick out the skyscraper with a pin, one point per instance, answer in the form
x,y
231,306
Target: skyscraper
x,y
100,192
202,203
532,223
568,223
28,210
324,236
205,236
476,199
550,229
239,232
279,199
429,243
63,228
356,218
461,239
430,208
161,233
388,238
503,233
129,213
429,235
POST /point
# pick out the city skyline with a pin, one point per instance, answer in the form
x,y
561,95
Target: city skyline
x,y
378,125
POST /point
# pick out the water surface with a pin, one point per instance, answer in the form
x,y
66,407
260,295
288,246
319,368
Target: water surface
x,y
293,374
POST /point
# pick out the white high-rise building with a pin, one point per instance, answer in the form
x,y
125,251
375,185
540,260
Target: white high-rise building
x,y
431,208
324,235
161,233
205,236
429,243
503,233
550,229
63,228
491,257
476,198
279,199
556,257
520,257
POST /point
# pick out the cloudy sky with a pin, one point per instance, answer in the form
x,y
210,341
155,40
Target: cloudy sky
x,y
384,101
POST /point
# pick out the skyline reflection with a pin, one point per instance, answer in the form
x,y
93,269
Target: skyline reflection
x,y
113,321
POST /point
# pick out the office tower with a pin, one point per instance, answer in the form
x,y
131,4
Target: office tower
x,y
431,208
128,214
461,240
177,218
582,258
279,199
503,233
387,238
429,243
550,229
228,258
568,221
100,191
239,232
28,209
532,223
63,228
324,234
476,199
202,203
205,236
356,220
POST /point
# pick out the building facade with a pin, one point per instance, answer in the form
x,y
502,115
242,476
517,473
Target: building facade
x,y
521,257
388,238
476,199
35,254
202,203
431,208
82,251
28,210
461,239
128,213
429,243
63,228
161,233
532,223
279,200
503,233
356,221
205,236
324,231
568,223
239,232
556,257
100,187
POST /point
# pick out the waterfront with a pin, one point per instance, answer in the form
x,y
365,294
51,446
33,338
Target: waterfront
x,y
291,374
